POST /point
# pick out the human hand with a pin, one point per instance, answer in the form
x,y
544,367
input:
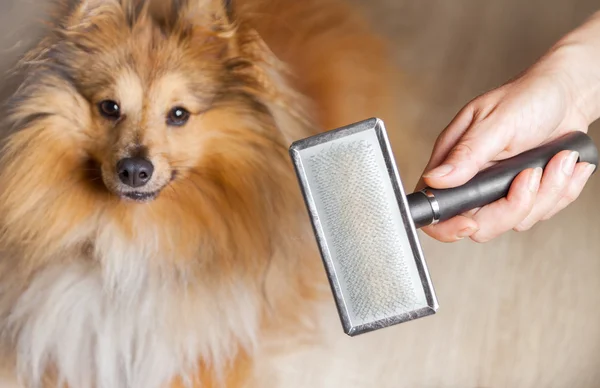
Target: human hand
x,y
544,103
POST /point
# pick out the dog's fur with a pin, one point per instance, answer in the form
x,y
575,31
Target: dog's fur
x,y
100,291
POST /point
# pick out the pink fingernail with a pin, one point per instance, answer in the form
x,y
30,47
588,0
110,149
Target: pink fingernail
x,y
440,171
534,179
568,165
589,170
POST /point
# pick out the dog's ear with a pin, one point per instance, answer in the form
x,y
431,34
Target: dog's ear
x,y
219,12
92,25
229,10
206,23
82,15
215,15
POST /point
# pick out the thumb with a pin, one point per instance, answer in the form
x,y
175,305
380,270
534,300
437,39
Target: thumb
x,y
465,159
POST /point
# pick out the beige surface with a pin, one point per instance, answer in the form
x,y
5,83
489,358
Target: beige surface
x,y
522,311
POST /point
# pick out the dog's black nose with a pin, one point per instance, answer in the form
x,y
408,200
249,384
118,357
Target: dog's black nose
x,y
135,172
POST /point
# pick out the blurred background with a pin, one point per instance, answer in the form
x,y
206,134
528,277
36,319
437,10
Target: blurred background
x,y
521,311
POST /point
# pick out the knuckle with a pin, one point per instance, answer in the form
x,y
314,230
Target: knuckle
x,y
463,151
570,196
481,238
561,205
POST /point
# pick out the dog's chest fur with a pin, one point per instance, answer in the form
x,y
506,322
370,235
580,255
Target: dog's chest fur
x,y
118,322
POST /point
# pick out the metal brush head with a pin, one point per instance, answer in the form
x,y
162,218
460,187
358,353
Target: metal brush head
x,y
363,227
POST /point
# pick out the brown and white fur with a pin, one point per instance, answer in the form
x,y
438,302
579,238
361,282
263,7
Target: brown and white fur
x,y
184,288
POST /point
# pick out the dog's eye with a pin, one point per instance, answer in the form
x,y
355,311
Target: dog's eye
x,y
178,116
110,109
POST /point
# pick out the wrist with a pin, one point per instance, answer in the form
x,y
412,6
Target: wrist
x,y
576,60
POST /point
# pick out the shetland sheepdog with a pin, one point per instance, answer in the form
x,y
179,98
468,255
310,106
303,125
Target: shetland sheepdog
x,y
152,231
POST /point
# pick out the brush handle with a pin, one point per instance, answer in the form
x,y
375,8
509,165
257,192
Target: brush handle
x,y
494,182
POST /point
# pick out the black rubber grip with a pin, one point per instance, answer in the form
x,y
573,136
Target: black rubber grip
x,y
420,209
493,183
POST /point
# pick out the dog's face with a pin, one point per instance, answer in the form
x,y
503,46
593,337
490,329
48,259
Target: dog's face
x,y
151,92
146,121
150,89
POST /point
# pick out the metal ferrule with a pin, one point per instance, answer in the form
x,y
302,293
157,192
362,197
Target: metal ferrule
x,y
435,206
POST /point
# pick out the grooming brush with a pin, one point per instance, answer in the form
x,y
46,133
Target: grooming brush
x,y
366,226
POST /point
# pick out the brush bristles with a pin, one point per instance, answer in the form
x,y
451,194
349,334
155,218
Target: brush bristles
x,y
362,233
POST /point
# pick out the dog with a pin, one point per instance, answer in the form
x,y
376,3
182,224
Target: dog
x,y
152,231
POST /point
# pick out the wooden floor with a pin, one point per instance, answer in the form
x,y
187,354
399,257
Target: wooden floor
x,y
522,311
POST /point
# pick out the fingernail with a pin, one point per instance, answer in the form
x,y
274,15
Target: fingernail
x,y
440,171
534,179
589,170
466,232
568,164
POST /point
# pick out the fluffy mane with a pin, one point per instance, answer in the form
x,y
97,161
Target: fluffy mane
x,y
101,292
